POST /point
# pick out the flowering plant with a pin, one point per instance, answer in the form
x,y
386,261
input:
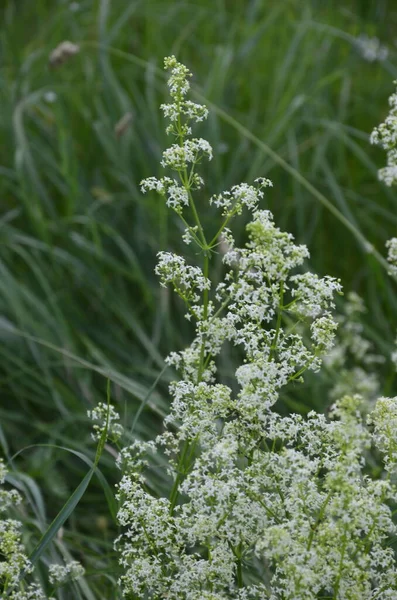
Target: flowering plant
x,y
14,563
259,505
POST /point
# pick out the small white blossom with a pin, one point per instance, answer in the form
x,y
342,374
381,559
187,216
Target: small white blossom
x,y
239,196
370,48
105,416
187,280
158,185
323,332
385,135
33,591
179,157
384,420
50,97
60,574
314,295
352,358
391,246
178,81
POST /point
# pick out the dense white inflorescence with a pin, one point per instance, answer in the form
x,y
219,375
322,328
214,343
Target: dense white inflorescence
x,y
391,246
13,555
60,574
352,361
260,505
14,561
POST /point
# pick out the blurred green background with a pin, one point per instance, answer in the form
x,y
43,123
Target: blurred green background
x,y
79,301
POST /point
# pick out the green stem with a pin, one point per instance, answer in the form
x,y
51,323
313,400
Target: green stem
x,y
339,577
175,488
191,230
278,324
303,369
317,522
218,233
239,573
183,467
205,316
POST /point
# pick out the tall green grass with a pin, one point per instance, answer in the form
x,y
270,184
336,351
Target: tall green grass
x,y
292,99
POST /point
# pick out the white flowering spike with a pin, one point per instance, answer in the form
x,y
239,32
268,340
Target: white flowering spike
x,y
259,505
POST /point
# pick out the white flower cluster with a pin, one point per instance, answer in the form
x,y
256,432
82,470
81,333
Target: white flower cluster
x,y
241,195
181,111
352,362
260,505
60,574
185,154
14,562
391,246
384,419
385,135
178,157
176,195
371,49
13,556
105,416
187,280
30,592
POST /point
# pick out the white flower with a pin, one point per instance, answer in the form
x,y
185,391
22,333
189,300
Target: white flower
x,y
314,295
239,196
391,246
384,420
371,49
105,416
60,574
179,157
323,332
385,135
187,280
50,96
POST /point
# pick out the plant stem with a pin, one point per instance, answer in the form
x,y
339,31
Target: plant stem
x,y
278,324
175,488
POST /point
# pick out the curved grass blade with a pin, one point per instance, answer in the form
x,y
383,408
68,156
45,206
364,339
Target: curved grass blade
x,y
75,498
110,499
